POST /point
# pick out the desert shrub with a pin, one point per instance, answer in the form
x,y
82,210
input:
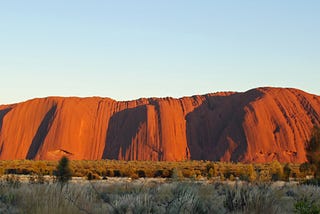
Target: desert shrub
x,y
141,173
185,200
116,173
232,177
211,170
276,171
198,173
227,173
286,172
211,173
166,173
93,176
149,172
134,176
109,173
188,173
307,169
130,172
36,179
158,173
8,202
314,182
249,198
176,174
307,199
305,206
209,166
249,174
11,171
221,175
2,171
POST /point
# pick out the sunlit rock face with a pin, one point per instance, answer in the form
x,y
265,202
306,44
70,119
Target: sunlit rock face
x,y
259,125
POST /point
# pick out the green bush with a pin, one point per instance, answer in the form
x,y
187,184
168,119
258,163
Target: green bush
x,y
305,206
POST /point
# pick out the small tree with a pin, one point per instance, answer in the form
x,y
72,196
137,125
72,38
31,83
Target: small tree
x,y
313,150
63,171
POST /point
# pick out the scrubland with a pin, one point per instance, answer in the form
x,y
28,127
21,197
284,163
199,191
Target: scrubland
x,y
158,196
183,169
157,187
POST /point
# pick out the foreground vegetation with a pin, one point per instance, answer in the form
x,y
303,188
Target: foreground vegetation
x,y
154,196
172,187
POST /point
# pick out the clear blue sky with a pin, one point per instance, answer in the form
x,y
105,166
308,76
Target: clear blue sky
x,y
131,49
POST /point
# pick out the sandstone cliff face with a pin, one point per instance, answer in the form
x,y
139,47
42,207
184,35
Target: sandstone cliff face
x,y
259,125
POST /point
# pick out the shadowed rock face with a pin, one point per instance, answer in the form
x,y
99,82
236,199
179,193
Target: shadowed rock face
x,y
259,125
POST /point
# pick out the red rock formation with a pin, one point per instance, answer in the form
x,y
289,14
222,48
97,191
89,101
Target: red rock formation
x,y
259,125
